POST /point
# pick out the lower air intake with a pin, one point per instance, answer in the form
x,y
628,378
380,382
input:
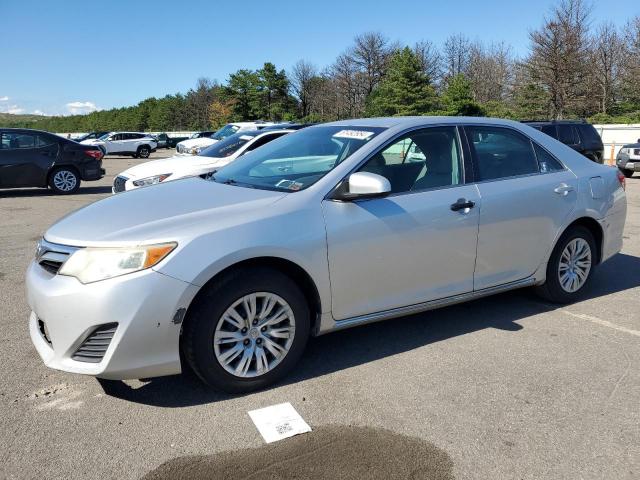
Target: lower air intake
x,y
95,346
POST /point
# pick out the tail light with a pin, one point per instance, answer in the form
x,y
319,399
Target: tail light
x,y
622,180
97,154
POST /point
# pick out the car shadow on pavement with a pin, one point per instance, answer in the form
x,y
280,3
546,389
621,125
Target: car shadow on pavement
x,y
368,343
45,192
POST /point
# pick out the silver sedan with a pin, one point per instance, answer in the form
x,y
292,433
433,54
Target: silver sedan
x,y
326,228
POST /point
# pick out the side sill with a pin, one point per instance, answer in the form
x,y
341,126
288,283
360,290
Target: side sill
x,y
431,305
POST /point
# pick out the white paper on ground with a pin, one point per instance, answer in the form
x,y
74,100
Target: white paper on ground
x,y
278,422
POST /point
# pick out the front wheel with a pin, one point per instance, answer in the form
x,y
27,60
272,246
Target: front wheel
x,y
64,180
627,173
247,330
570,266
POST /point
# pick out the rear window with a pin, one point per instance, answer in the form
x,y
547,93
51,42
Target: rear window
x,y
589,133
226,147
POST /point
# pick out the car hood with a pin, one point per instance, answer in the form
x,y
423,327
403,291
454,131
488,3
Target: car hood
x,y
177,164
92,141
198,142
170,211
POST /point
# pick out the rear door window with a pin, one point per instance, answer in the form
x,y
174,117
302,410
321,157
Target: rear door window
x,y
501,153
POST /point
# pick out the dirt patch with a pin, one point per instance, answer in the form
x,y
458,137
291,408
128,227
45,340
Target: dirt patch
x,y
334,452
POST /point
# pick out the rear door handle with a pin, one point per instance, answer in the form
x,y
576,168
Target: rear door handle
x,y
462,204
563,189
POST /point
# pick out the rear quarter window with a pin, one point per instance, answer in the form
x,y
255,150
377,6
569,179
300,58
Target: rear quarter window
x,y
589,133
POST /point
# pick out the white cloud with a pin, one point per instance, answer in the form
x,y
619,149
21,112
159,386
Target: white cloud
x,y
4,99
13,109
79,108
39,112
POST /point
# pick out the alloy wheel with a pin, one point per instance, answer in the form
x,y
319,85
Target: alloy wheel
x,y
65,181
254,334
575,265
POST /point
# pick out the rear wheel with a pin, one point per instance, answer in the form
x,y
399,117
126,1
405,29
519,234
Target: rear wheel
x,y
247,331
64,180
570,266
143,151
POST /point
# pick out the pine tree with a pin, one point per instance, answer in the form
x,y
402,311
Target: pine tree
x,y
404,90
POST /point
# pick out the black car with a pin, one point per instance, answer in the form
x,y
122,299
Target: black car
x,y
32,158
579,135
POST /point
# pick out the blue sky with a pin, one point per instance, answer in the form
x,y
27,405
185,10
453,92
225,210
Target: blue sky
x,y
74,56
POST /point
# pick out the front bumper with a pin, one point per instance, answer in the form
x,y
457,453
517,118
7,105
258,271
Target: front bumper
x,y
625,162
143,304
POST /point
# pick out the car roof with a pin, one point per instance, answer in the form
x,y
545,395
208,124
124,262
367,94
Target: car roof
x,y
555,122
389,122
24,130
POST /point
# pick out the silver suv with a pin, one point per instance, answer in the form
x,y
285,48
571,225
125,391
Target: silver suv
x,y
330,227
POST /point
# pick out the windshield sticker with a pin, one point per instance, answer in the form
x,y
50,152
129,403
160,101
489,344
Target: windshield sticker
x,y
289,184
355,134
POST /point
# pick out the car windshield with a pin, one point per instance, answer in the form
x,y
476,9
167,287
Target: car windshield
x,y
104,137
225,131
295,161
228,146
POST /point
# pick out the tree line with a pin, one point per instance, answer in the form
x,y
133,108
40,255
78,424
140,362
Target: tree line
x,y
573,69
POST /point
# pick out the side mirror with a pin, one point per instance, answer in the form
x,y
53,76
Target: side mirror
x,y
363,185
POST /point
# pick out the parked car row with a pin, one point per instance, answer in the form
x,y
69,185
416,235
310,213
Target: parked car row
x,y
201,140
321,229
209,160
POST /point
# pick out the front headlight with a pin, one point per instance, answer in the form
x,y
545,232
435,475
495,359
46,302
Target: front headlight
x,y
93,264
195,150
145,182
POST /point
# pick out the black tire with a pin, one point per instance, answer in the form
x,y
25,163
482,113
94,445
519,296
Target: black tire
x,y
64,180
198,333
552,290
143,151
627,173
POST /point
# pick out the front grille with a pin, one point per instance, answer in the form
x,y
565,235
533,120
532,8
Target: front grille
x,y
51,256
118,184
95,346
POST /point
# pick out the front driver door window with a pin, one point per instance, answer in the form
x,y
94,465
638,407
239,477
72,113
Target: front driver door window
x,y
409,247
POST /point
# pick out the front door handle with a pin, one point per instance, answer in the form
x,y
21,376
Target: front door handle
x,y
462,204
563,189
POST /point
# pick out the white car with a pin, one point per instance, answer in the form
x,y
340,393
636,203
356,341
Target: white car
x,y
136,144
209,160
196,144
